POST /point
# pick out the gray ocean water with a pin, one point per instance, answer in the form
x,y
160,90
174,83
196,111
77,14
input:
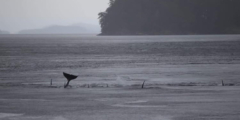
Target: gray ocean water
x,y
120,59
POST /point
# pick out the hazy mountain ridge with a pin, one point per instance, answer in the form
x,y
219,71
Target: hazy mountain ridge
x,y
4,32
79,28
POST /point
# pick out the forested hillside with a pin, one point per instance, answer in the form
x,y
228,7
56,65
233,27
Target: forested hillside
x,y
161,17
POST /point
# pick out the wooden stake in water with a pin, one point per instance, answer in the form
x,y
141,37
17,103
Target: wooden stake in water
x,y
143,84
223,83
51,82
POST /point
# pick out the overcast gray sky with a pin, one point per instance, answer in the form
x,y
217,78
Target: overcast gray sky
x,y
16,15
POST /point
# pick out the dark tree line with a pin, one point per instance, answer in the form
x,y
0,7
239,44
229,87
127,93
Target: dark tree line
x,y
158,17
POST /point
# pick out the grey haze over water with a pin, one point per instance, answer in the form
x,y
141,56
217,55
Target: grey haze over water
x,y
17,15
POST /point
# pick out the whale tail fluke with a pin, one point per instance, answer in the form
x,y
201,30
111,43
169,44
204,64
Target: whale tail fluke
x,y
69,77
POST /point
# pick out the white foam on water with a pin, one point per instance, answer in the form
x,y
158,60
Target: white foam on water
x,y
104,99
5,115
160,117
123,80
138,101
25,99
59,118
138,106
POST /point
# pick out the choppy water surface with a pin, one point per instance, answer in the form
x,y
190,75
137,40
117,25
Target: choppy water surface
x,y
120,59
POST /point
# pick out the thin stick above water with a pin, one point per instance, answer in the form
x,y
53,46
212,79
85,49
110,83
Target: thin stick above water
x,y
143,83
51,82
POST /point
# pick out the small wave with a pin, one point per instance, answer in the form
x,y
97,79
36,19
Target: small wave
x,y
4,115
138,106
